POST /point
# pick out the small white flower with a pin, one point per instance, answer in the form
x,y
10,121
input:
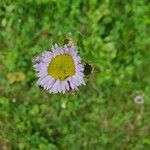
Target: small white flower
x,y
139,99
60,69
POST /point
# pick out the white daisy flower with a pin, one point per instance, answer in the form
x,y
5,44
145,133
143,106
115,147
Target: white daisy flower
x,y
60,69
139,99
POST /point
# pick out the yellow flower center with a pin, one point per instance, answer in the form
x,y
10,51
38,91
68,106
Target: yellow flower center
x,y
61,67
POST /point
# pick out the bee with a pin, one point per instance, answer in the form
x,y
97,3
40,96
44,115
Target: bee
x,y
69,40
88,69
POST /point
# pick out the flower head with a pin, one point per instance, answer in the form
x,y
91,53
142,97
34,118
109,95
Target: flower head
x,y
60,69
139,99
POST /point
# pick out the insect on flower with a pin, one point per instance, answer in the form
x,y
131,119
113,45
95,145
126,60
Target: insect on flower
x,y
60,70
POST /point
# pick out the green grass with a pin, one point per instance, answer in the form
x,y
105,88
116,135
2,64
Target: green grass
x,y
112,35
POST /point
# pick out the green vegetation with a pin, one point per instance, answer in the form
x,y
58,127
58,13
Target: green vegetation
x,y
114,36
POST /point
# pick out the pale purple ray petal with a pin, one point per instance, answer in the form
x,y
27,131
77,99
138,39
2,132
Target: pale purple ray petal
x,y
72,83
59,86
37,67
67,85
73,48
52,83
78,79
42,81
42,74
53,49
49,84
80,67
40,66
63,88
51,87
47,59
55,87
56,46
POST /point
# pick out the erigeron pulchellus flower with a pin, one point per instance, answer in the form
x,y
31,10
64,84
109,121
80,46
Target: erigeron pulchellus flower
x,y
60,70
139,99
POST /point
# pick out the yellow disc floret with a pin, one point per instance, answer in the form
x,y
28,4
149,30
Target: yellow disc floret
x,y
61,67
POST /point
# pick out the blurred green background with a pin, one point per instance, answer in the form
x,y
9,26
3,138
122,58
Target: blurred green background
x,y
112,35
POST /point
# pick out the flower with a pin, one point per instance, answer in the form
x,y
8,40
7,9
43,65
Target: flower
x,y
60,69
139,99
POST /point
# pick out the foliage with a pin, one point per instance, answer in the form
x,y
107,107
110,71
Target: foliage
x,y
113,36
